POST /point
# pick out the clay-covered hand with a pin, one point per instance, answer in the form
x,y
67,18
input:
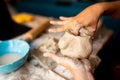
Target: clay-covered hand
x,y
88,18
79,69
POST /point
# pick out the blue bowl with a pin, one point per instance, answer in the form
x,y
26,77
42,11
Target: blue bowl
x,y
18,47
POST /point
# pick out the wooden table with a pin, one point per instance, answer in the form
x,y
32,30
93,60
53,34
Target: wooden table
x,y
34,71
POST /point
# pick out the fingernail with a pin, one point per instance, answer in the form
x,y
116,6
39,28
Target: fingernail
x,y
49,30
45,54
51,22
61,17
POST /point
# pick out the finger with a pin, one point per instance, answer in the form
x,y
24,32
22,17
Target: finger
x,y
91,30
61,29
64,18
60,60
87,64
75,32
52,56
75,29
58,22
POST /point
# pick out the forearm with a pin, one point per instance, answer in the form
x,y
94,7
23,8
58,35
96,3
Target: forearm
x,y
111,9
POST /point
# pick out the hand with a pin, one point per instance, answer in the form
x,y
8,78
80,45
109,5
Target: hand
x,y
88,18
79,69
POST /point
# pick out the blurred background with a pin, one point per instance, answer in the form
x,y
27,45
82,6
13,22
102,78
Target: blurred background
x,y
109,68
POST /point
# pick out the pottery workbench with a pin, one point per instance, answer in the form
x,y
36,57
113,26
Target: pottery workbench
x,y
34,69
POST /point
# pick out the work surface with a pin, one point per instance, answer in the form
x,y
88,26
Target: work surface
x,y
34,69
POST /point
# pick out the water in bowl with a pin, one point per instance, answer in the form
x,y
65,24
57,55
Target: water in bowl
x,y
9,58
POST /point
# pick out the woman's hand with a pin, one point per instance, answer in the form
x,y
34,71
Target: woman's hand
x,y
88,19
81,70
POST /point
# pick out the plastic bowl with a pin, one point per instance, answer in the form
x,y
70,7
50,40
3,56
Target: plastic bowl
x,y
18,47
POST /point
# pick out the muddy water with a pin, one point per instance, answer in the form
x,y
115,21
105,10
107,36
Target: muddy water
x,y
9,58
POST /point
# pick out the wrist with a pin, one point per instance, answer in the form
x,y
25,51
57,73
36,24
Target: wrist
x,y
99,9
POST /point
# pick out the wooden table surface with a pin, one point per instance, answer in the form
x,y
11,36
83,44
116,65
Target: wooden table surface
x,y
37,72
